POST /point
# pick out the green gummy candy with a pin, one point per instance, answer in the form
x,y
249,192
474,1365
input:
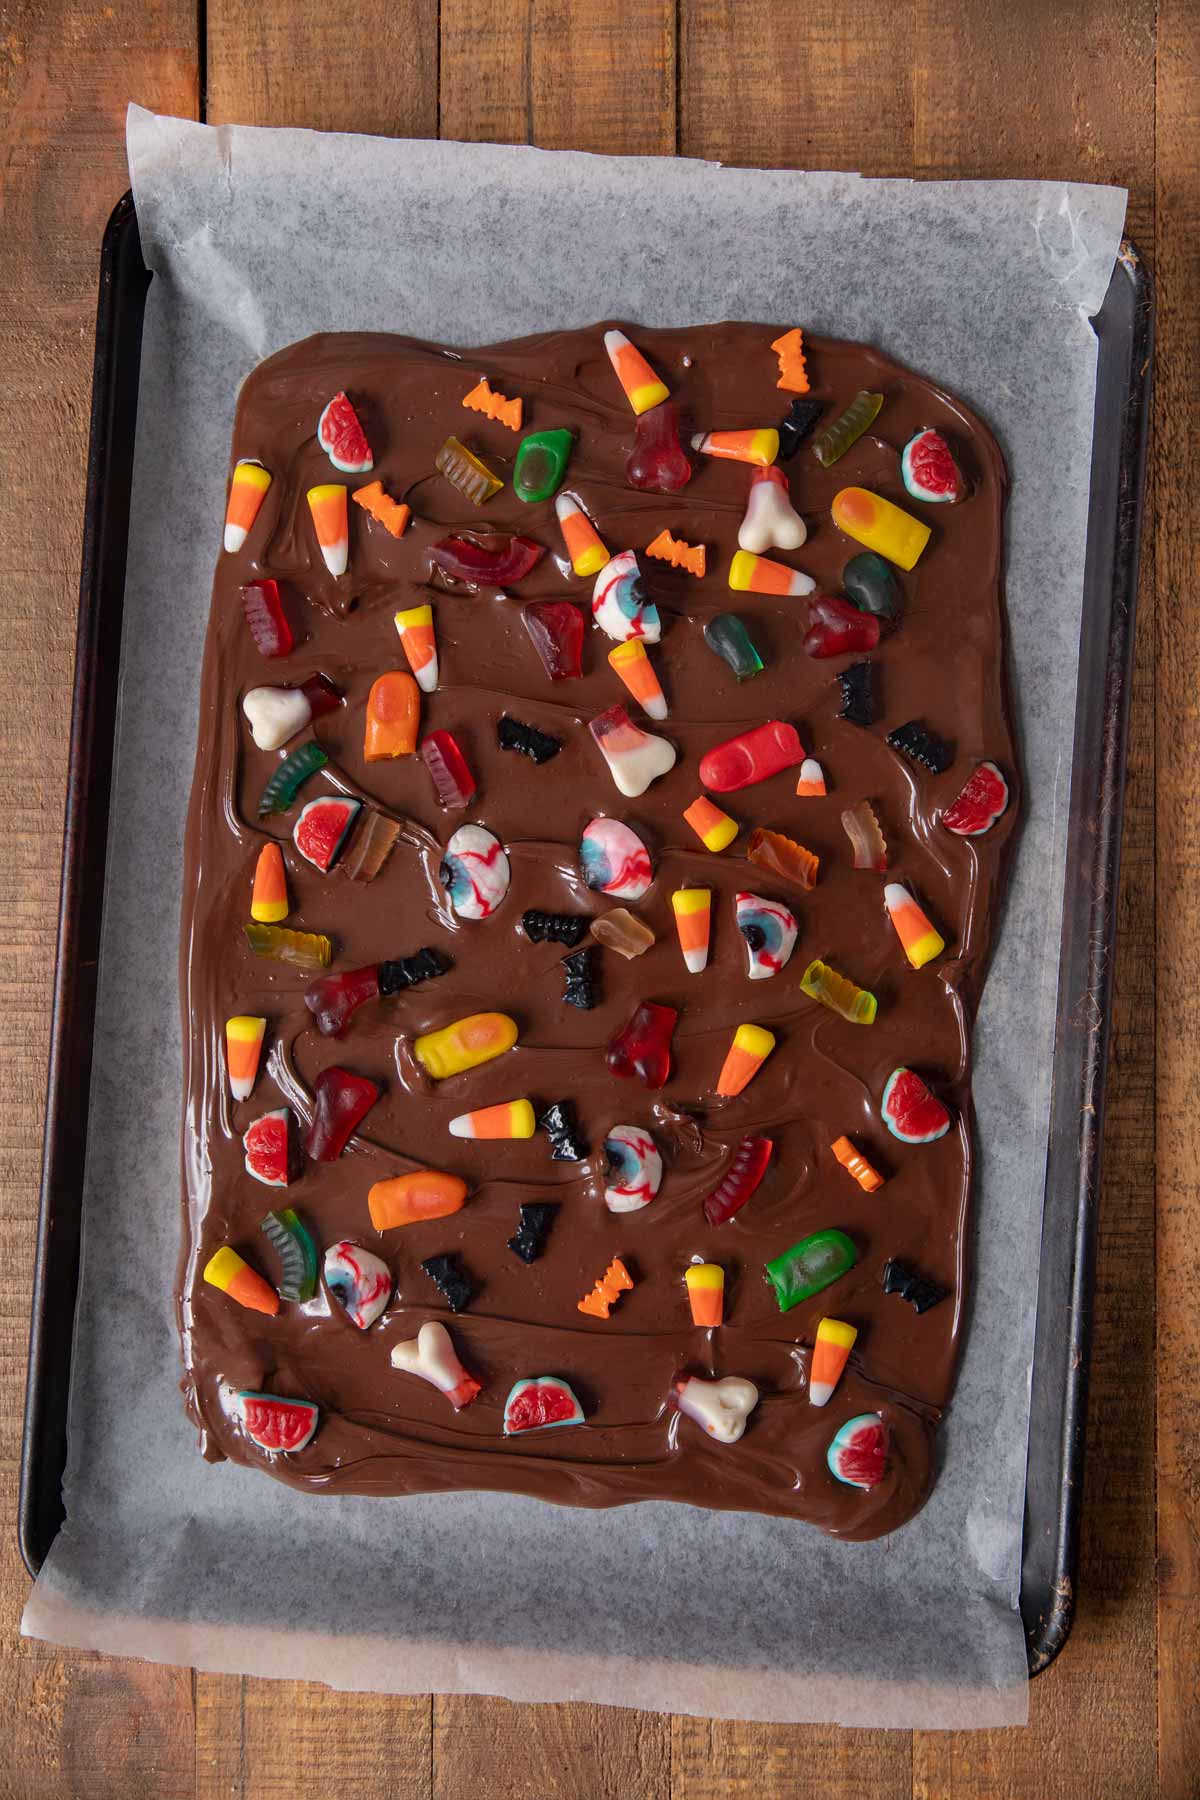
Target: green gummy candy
x,y
541,464
868,581
293,1244
727,636
810,1266
290,777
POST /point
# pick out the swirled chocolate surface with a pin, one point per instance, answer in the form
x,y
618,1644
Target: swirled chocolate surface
x,y
385,1432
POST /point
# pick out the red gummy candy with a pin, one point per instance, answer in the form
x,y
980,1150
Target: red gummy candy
x,y
835,627
341,1101
556,628
750,757
334,999
658,463
739,1181
266,618
493,557
453,781
643,1046
321,695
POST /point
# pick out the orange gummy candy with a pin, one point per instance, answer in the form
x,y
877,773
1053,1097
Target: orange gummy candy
x,y
393,717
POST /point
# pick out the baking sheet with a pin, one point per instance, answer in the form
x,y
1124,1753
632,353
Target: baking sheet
x,y
257,238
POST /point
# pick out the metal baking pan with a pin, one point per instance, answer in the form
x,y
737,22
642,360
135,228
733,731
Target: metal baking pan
x,y
1124,328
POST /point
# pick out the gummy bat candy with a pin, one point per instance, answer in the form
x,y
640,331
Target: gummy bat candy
x,y
721,1407
359,1281
526,740
293,1244
553,928
642,1047
847,428
751,756
432,1356
341,1101
740,1180
579,985
484,399
635,757
834,1342
812,1264
771,522
453,782
620,605
475,872
247,491
866,840
668,549
836,628
585,548
621,931
855,1163
555,629
900,1278
793,372
921,746
658,462
858,694
615,1281
265,618
529,1239
562,1128
880,526
769,931
276,714
633,1169
452,1282
393,515
795,426
493,560
615,860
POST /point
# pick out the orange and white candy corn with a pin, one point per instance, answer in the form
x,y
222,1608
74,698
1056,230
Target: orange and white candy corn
x,y
715,829
856,1164
706,1293
811,785
247,492
643,389
234,1276
631,662
243,1045
835,1340
760,575
693,923
585,547
269,902
510,1119
920,939
327,504
419,645
751,1046
761,446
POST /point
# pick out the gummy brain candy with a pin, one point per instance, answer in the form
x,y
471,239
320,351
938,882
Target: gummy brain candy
x,y
615,860
475,872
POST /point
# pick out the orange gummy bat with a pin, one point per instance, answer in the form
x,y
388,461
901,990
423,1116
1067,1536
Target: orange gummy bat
x,y
793,376
614,1281
393,515
481,399
673,550
856,1164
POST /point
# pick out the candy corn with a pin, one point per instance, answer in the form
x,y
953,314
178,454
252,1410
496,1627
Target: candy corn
x,y
269,902
879,525
393,717
811,785
715,829
247,491
706,1293
761,575
465,1044
693,922
631,662
234,1276
921,941
615,1281
760,446
510,1119
584,545
751,1046
419,645
393,515
243,1043
673,550
483,399
643,389
410,1199
793,375
856,1164
327,504
834,1342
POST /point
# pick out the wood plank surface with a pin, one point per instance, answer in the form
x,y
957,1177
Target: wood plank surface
x,y
1104,90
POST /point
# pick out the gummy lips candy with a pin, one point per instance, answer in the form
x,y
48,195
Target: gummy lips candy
x,y
741,1178
493,560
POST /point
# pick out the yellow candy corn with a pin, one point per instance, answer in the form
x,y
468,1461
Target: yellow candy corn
x,y
761,447
835,1340
706,1293
269,901
510,1119
234,1276
643,389
921,941
419,645
762,575
751,1046
247,491
879,525
243,1045
584,546
465,1044
693,922
327,504
631,662
715,829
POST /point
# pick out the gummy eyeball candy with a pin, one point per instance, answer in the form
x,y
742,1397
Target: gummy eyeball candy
x,y
722,1407
770,933
634,1169
615,860
620,606
475,872
359,1281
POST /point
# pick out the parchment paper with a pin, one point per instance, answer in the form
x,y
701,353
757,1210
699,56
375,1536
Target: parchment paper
x,y
257,238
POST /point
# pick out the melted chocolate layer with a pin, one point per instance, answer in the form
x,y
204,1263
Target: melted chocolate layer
x,y
388,1433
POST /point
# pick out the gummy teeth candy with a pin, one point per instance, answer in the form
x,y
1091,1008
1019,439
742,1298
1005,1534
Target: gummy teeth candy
x,y
274,1423
247,491
635,758
343,439
741,1179
634,1169
620,606
359,1281
769,930
432,1356
721,1407
475,872
292,1242
615,860
771,521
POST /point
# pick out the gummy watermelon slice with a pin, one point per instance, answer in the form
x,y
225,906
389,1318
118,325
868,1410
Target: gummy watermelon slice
x,y
910,1112
858,1452
321,830
266,1147
980,804
929,469
343,439
276,1424
540,1400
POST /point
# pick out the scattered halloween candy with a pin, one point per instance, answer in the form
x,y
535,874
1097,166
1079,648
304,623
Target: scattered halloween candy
x,y
451,1280
508,1119
526,740
643,389
541,464
751,756
453,782
720,1407
900,1278
928,469
467,472
633,1168
751,1046
847,428
867,846
243,1047
555,630
465,1044
760,447
247,491
793,372
393,515
839,994
857,684
274,1423
495,560
553,928
910,1112
838,629
783,856
334,999
632,664
983,800
750,574
359,1281
342,438
540,1400
276,714
658,462
879,525
475,872
341,1101
579,982
562,1128
292,1243
715,829
728,638
585,548
535,1219
266,1147
393,717
871,583
831,1350
814,1263
327,504
771,521
621,606
856,1164
419,645
289,777
232,1275
621,931
668,549
432,1356
705,1282
415,1198
858,1451
265,618
310,950
483,399
607,1290
795,426
635,757
811,785
921,941
641,1050
740,1180
322,829
921,746
372,841
769,933
692,908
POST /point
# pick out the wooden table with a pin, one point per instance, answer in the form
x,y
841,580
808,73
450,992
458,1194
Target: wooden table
x,y
1103,91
